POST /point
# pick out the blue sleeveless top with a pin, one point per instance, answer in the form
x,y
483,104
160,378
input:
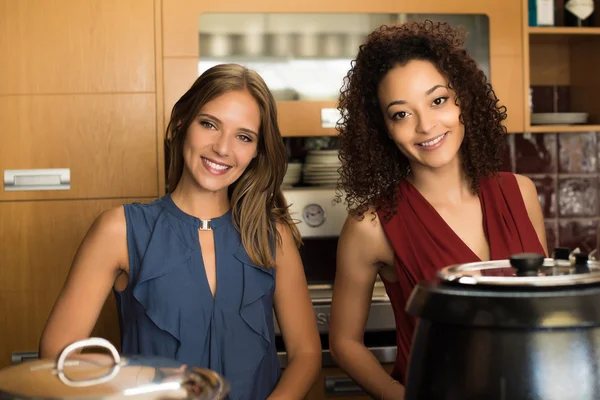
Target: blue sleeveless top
x,y
168,310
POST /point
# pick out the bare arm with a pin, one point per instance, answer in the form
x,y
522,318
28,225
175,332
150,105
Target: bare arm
x,y
362,247
534,208
296,319
101,257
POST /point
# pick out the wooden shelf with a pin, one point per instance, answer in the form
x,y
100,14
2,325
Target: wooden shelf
x,y
562,30
303,118
569,57
562,128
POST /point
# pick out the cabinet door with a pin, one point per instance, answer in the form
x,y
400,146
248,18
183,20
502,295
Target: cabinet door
x,y
333,383
74,46
182,43
39,240
107,141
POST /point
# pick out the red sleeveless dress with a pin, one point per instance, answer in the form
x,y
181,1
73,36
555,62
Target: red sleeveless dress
x,y
423,244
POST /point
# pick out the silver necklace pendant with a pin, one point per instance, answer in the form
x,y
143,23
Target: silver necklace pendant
x,y
205,225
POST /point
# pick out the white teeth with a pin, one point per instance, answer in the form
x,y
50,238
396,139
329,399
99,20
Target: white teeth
x,y
432,142
216,166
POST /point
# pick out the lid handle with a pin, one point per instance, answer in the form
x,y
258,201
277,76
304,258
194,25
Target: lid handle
x,y
581,263
527,264
581,259
561,253
90,342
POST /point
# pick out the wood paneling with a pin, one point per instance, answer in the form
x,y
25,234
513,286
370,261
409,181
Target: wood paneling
x,y
24,314
180,17
563,128
182,72
80,88
39,241
526,54
108,141
549,64
566,57
303,118
159,100
585,78
76,46
507,74
180,42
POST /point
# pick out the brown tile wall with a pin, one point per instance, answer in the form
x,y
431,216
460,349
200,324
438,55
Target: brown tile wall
x,y
565,167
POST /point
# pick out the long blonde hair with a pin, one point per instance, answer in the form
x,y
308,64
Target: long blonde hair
x,y
256,199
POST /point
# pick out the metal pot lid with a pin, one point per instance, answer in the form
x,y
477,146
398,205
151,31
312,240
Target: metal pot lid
x,y
98,375
526,269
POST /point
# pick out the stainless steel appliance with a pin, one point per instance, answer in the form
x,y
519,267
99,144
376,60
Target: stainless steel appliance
x,y
528,328
108,376
320,222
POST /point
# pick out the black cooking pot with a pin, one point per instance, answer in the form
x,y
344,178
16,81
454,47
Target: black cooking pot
x,y
524,328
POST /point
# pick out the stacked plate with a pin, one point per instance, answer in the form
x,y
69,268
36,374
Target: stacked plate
x,y
563,118
292,175
321,167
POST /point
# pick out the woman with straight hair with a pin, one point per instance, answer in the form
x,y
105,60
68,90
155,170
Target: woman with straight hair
x,y
198,272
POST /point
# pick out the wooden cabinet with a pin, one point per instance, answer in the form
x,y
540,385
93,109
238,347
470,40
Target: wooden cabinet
x,y
79,86
74,46
78,91
563,56
180,50
108,141
39,241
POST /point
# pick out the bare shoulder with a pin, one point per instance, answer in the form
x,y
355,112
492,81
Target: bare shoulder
x,y
287,255
526,185
286,235
283,229
367,224
533,206
110,226
109,232
528,191
112,221
365,235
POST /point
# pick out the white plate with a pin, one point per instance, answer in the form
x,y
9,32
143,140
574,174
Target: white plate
x,y
316,166
322,183
320,180
558,118
331,174
323,160
324,152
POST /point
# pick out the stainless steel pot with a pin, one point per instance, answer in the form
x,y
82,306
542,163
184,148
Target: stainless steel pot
x,y
99,375
524,328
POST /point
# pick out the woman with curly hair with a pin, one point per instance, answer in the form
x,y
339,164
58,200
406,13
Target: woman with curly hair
x,y
420,144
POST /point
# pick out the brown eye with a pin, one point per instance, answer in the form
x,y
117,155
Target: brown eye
x,y
207,125
399,115
440,100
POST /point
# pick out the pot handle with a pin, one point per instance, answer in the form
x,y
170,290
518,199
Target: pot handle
x,y
90,342
527,264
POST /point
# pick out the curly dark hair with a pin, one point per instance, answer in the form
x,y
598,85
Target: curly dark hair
x,y
372,164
